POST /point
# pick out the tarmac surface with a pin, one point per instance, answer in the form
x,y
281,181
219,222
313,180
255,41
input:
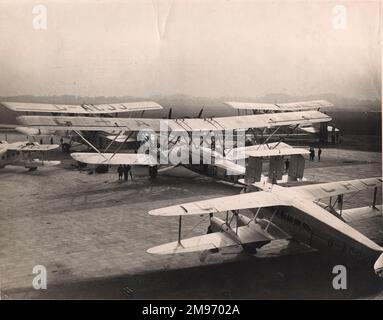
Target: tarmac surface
x,y
91,232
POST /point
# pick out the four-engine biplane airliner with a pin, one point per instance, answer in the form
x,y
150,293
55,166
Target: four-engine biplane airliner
x,y
256,107
87,110
259,122
22,154
280,213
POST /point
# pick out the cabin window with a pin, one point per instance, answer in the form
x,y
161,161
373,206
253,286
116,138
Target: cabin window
x,y
297,222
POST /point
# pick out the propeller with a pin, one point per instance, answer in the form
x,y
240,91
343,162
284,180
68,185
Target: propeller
x,y
170,113
200,113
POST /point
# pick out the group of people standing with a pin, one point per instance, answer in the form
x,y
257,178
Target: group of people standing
x,y
312,153
124,171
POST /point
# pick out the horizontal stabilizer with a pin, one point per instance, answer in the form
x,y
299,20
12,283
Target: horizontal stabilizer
x,y
277,152
241,152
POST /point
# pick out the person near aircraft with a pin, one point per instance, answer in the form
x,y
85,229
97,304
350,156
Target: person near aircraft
x,y
120,171
319,153
125,171
312,153
287,164
129,168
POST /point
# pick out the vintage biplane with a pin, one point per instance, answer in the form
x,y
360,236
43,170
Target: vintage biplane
x,y
290,213
324,130
173,127
26,154
88,110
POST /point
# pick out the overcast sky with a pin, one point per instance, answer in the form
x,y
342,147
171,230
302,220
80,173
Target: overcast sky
x,y
200,48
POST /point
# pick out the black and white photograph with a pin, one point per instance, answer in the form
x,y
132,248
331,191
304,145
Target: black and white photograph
x,y
165,150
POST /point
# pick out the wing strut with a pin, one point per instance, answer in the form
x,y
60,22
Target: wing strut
x,y
271,219
115,138
179,229
374,200
284,138
83,138
269,137
119,147
256,214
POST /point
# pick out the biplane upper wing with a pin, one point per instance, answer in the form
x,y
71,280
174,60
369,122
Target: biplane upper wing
x,y
236,202
290,106
252,106
114,159
283,197
304,105
157,125
330,189
82,109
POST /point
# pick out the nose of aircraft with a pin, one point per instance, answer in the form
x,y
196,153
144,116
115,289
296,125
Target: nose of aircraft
x,y
378,266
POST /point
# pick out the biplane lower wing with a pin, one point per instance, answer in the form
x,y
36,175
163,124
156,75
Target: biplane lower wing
x,y
189,125
114,159
34,163
38,147
245,235
30,146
